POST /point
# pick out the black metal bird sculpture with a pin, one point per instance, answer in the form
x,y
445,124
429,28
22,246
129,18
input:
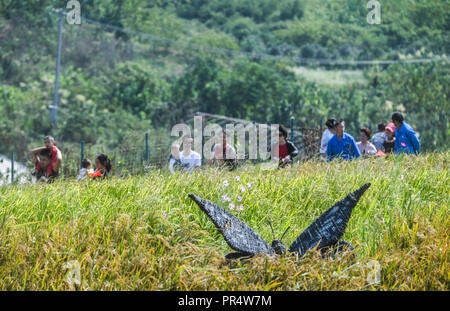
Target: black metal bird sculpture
x,y
324,233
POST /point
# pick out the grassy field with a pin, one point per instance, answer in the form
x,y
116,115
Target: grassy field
x,y
144,233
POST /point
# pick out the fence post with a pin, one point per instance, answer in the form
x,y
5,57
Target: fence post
x,y
147,149
82,152
292,128
12,167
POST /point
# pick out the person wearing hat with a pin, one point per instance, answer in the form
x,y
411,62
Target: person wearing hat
x,y
389,143
406,140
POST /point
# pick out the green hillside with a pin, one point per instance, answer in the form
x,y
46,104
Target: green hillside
x,y
169,59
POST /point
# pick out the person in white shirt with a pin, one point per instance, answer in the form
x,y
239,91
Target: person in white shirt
x,y
366,148
379,137
86,169
190,159
327,134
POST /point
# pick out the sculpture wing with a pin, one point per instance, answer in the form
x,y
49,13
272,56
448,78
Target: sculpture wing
x,y
326,230
237,234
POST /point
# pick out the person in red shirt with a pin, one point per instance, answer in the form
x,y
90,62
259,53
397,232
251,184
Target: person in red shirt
x,y
56,157
284,150
42,163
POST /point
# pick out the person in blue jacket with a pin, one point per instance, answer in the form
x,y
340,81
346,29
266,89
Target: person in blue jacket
x,y
342,145
406,140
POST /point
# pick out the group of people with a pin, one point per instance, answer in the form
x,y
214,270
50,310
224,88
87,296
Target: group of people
x,y
396,137
48,160
188,160
103,167
224,154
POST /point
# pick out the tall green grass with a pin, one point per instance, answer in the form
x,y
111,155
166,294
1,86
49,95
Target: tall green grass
x,y
144,233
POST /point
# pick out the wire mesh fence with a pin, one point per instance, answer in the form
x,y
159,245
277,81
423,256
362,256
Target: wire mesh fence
x,y
138,153
141,152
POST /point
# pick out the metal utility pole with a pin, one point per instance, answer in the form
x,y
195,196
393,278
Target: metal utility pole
x,y
54,107
292,128
147,150
82,153
12,167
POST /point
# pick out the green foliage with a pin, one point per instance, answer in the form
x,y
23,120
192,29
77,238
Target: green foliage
x,y
404,23
424,93
260,92
21,109
114,83
135,89
241,27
